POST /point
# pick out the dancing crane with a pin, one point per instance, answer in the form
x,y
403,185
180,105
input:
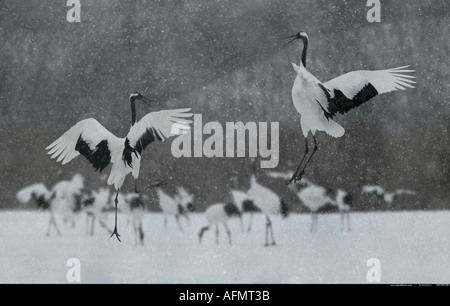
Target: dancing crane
x,y
318,103
100,147
386,196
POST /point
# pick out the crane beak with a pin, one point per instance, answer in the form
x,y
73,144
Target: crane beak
x,y
146,100
294,37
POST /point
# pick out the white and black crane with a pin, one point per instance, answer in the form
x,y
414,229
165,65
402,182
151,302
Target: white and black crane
x,y
186,201
219,213
344,202
269,203
245,204
384,195
137,206
100,147
95,203
314,197
317,198
63,199
318,103
43,198
67,200
171,206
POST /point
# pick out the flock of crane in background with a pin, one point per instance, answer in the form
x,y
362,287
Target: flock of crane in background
x,y
69,198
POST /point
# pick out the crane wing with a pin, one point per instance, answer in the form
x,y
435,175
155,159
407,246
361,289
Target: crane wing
x,y
88,138
185,196
404,191
354,88
239,197
157,126
378,190
25,194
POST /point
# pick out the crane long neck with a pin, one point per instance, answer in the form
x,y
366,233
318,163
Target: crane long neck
x,y
305,47
133,110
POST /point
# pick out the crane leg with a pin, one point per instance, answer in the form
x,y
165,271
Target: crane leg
x,y
141,234
159,184
269,228
202,231
242,224
115,218
177,218
135,186
103,224
87,224
217,234
300,174
92,225
228,232
52,221
249,228
295,175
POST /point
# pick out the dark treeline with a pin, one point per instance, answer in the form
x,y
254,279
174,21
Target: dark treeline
x,y
225,59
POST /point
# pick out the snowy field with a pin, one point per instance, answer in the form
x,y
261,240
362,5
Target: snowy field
x,y
413,247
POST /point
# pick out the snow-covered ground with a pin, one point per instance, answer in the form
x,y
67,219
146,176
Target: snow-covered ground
x,y
412,247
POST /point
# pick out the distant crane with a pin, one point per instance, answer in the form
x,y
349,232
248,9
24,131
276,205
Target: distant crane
x,y
344,201
171,206
317,102
137,210
100,147
186,201
43,198
95,203
317,198
63,199
219,213
67,200
384,195
269,203
245,205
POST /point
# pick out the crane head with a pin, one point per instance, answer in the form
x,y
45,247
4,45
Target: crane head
x,y
137,95
299,35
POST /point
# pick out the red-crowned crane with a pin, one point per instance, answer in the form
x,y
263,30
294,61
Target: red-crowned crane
x,y
384,195
63,198
95,203
100,147
137,207
245,204
317,198
186,201
171,206
219,213
43,198
319,102
269,203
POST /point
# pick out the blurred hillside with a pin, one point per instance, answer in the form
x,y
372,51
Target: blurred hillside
x,y
225,59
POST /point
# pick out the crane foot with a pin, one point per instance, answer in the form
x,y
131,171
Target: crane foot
x,y
115,233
